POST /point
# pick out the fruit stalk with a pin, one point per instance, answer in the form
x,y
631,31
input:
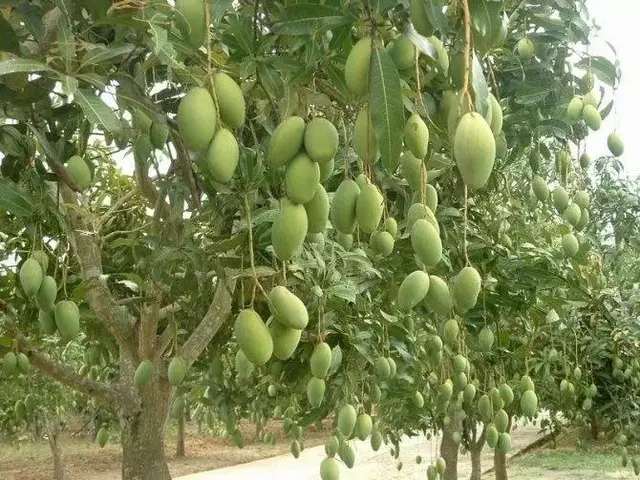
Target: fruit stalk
x,y
467,51
251,259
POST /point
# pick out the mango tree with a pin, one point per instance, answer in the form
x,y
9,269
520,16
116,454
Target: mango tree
x,y
318,207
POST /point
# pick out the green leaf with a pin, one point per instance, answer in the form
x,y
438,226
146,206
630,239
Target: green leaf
x,y
479,84
100,54
435,14
14,199
306,18
387,110
48,148
8,40
528,94
15,65
96,110
219,8
421,43
602,68
66,43
336,360
271,80
240,35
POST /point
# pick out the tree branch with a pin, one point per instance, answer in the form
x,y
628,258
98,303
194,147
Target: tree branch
x,y
60,372
218,312
149,191
184,167
87,250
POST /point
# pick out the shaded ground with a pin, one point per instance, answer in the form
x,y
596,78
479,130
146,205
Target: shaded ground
x,y
27,460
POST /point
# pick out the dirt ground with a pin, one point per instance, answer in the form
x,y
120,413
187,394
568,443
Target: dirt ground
x,y
84,459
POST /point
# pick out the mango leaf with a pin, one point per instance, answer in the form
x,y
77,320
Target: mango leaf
x,y
66,43
602,68
528,94
271,80
219,8
604,113
336,360
435,13
100,54
8,40
421,43
15,65
96,110
479,84
131,96
387,110
306,18
14,199
240,35
48,148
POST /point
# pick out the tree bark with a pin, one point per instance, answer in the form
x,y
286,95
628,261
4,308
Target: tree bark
x,y
53,431
595,427
500,466
476,463
180,444
500,459
476,455
449,450
142,437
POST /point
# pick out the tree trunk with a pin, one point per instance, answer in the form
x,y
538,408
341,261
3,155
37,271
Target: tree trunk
x,y
595,427
476,455
449,450
143,431
180,443
476,463
500,466
53,431
500,459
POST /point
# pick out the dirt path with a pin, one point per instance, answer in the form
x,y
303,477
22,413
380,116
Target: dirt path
x,y
369,465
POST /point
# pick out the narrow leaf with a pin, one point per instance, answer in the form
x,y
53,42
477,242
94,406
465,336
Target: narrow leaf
x,y
47,147
15,65
66,43
8,40
219,8
14,199
96,110
421,43
387,110
100,54
306,18
479,84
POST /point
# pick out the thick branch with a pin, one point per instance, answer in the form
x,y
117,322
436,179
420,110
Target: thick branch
x,y
218,312
184,167
87,250
149,191
60,372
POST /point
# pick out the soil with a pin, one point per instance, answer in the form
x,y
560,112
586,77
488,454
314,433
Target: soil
x,y
84,459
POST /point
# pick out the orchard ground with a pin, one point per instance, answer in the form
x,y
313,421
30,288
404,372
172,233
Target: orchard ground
x,y
84,459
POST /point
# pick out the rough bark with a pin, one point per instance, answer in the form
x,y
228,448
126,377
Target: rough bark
x,y
218,312
500,459
500,466
180,443
449,450
85,244
53,432
476,456
143,430
595,427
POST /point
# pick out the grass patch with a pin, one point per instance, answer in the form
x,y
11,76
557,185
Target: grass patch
x,y
569,460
